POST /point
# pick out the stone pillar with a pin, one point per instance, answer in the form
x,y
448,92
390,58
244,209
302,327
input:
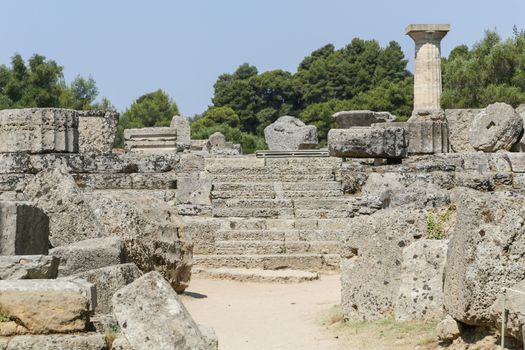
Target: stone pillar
x,y
427,73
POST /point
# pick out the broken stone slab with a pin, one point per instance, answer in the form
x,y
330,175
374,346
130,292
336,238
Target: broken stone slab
x,y
420,295
24,229
84,341
17,267
70,218
97,131
368,142
425,137
290,133
348,119
152,316
43,311
150,229
76,285
89,254
183,127
485,253
108,280
459,121
495,128
38,130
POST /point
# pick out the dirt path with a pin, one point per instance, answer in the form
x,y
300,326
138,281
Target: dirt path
x,y
269,316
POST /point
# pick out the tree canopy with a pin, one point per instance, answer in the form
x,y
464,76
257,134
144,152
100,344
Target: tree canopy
x,y
40,83
362,75
492,71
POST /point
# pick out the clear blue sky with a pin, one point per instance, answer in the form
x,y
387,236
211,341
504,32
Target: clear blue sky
x,y
132,47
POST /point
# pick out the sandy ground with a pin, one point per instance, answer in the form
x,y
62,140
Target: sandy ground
x,y
265,316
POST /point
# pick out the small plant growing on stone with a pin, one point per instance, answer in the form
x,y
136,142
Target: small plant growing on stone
x,y
4,318
112,332
436,221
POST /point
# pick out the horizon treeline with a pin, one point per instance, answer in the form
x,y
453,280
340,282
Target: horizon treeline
x,y
360,75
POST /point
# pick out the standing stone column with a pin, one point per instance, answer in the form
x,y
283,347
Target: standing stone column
x,y
427,76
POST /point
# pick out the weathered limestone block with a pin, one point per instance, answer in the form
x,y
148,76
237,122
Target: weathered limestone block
x,y
420,295
368,142
18,267
372,254
193,195
183,127
38,130
89,254
149,228
495,128
520,145
486,253
97,131
459,121
158,139
24,229
151,316
209,336
348,119
121,343
202,231
87,341
426,137
75,285
70,217
108,280
43,312
218,145
290,133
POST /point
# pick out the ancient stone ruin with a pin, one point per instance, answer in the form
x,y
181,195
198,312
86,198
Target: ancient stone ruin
x,y
423,219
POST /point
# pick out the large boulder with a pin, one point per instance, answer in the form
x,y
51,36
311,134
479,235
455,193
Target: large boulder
x,y
495,128
289,134
368,142
150,229
70,217
151,316
371,260
486,253
348,119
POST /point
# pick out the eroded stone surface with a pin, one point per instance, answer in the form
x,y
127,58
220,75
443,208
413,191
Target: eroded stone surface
x,y
97,131
348,119
495,128
87,341
290,133
151,316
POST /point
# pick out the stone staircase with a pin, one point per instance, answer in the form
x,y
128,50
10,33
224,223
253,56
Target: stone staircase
x,y
276,214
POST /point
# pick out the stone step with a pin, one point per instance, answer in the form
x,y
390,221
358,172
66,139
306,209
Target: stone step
x,y
295,176
253,208
275,247
323,213
308,262
276,224
280,235
255,275
263,194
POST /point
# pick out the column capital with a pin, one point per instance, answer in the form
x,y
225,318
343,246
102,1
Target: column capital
x,y
427,32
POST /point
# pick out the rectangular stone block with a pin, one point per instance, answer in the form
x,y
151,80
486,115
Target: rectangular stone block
x,y
76,285
38,130
151,139
24,229
17,267
97,131
89,254
425,137
86,341
368,142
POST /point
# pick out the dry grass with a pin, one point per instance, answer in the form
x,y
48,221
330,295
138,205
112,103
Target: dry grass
x,y
379,335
